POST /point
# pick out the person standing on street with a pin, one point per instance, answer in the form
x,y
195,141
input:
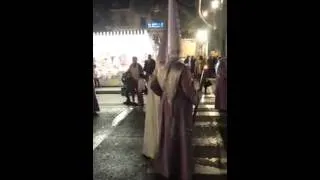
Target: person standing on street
x,y
95,103
178,94
212,61
192,65
95,76
200,65
151,128
149,66
206,82
187,61
151,138
128,88
136,72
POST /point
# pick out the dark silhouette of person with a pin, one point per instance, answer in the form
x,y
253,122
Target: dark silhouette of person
x,y
187,60
95,104
95,77
149,66
136,72
128,87
212,61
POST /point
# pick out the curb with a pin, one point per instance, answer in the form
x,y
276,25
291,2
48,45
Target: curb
x,y
108,92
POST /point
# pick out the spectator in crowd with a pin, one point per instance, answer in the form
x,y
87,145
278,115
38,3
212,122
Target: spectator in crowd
x,y
151,124
187,61
212,61
192,65
136,72
128,88
95,103
95,76
149,66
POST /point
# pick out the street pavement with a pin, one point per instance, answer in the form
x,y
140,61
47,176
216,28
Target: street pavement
x,y
118,139
118,157
112,112
108,90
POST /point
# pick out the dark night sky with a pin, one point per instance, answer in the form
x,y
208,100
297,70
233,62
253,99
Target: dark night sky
x,y
112,3
125,3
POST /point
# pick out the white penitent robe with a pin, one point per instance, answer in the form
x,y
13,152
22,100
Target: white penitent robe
x,y
151,126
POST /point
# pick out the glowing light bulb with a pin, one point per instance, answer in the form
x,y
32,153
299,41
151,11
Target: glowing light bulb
x,y
205,13
215,4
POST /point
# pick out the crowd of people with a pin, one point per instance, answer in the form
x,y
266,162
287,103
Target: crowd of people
x,y
173,88
134,80
198,65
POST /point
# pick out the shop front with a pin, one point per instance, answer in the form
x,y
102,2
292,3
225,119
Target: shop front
x,y
113,52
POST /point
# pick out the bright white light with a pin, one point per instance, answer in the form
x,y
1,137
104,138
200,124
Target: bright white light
x,y
113,51
205,13
215,4
202,35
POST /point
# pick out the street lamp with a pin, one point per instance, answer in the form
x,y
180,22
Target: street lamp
x,y
205,13
215,4
202,35
218,24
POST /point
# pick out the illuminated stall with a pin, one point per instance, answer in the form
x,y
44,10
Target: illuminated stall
x,y
113,52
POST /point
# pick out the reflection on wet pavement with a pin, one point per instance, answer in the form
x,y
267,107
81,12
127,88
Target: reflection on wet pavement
x,y
119,156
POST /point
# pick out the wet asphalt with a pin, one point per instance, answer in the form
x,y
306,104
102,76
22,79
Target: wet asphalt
x,y
118,156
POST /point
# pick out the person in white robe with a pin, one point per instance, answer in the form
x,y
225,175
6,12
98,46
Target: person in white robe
x,y
151,126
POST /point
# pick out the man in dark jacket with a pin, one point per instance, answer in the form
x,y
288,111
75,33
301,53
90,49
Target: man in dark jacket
x,y
193,65
149,66
212,61
95,103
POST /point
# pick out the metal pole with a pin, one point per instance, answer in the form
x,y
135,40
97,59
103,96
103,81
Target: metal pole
x,y
170,24
224,28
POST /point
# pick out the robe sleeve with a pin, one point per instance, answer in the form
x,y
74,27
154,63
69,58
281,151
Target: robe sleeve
x,y
188,87
155,86
224,70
